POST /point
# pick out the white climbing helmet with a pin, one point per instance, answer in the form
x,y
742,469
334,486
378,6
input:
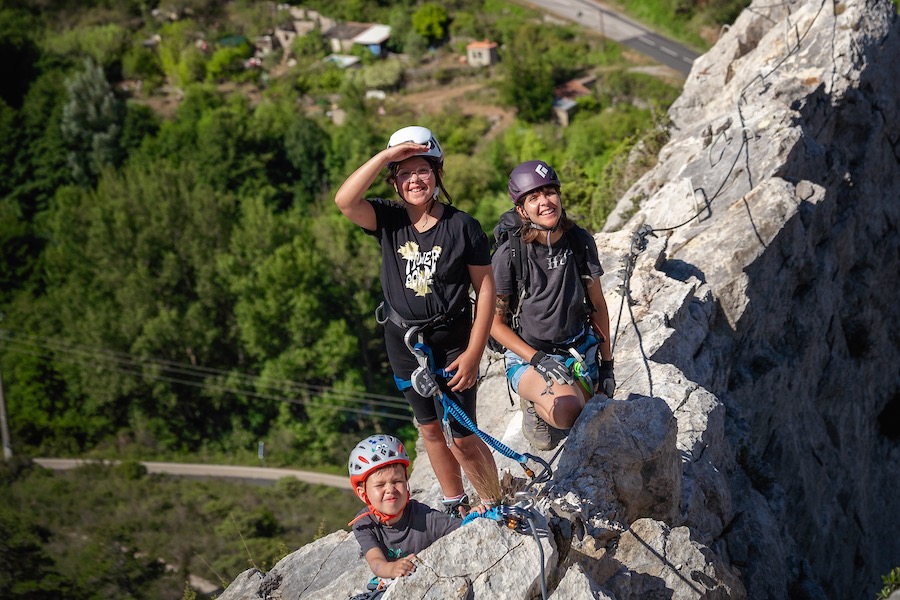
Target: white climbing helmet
x,y
418,135
375,452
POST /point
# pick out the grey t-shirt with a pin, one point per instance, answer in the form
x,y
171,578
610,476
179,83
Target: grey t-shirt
x,y
417,529
554,309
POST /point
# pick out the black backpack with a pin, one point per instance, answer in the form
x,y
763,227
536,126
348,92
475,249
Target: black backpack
x,y
509,227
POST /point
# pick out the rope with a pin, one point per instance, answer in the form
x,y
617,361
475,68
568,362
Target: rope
x,y
460,415
425,358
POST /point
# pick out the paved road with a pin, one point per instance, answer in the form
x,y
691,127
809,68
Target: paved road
x,y
614,26
225,471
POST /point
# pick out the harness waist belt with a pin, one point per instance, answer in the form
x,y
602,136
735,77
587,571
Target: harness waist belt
x,y
552,348
385,313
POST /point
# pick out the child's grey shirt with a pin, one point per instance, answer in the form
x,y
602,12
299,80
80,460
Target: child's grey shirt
x,y
417,529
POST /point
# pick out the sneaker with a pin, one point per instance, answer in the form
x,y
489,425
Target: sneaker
x,y
457,508
535,429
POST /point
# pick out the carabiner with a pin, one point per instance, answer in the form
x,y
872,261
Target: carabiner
x,y
545,475
416,348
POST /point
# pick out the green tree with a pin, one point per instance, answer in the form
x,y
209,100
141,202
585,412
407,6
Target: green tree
x,y
39,166
18,247
430,21
27,572
91,123
399,21
306,145
20,55
103,44
227,62
527,83
131,270
140,123
181,61
466,25
142,64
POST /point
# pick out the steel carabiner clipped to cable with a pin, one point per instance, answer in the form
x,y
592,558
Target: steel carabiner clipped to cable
x,y
520,517
544,475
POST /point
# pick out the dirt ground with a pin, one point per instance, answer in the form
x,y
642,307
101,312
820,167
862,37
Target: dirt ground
x,y
470,98
466,98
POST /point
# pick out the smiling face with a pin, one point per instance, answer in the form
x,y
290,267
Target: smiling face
x,y
387,489
415,181
542,206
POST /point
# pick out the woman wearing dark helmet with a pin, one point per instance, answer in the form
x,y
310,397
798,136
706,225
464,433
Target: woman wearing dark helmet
x,y
432,254
561,325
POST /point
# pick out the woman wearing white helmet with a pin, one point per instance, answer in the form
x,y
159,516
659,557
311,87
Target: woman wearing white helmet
x,y
432,255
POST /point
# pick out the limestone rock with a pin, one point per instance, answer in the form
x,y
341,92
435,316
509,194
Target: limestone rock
x,y
331,567
666,563
751,449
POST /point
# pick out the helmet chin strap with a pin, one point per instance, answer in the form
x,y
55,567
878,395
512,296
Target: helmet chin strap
x,y
534,225
549,230
383,517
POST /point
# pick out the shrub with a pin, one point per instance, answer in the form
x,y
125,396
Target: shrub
x,y
130,470
891,583
227,62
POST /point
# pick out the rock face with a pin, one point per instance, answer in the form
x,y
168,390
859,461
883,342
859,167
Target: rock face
x,y
752,448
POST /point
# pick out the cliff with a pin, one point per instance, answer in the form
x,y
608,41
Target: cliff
x,y
752,448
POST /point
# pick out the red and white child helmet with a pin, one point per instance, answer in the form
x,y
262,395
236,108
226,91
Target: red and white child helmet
x,y
373,453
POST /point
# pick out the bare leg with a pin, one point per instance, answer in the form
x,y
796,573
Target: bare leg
x,y
478,463
444,462
559,408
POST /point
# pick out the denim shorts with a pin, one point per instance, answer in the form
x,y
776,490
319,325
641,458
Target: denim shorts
x,y
516,365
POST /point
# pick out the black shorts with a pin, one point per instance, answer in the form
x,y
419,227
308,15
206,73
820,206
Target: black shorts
x,y
446,343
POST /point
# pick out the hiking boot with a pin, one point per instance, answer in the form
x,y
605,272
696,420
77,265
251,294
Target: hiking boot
x,y
457,508
535,429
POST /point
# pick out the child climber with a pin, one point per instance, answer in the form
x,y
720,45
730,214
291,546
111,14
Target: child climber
x,y
561,319
393,527
432,254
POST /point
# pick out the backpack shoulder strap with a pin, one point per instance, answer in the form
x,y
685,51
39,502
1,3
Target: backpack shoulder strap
x,y
518,265
580,251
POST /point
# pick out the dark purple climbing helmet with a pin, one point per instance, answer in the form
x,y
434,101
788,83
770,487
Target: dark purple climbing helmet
x,y
529,176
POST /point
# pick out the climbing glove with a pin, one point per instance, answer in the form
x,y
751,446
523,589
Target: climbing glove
x,y
551,369
607,377
423,382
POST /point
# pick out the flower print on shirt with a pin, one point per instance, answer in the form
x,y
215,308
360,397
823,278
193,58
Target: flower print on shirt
x,y
420,266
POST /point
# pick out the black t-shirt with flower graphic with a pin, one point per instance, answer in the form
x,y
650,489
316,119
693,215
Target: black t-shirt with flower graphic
x,y
426,274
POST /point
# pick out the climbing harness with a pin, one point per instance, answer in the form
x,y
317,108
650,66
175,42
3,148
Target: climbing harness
x,y
425,359
384,313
